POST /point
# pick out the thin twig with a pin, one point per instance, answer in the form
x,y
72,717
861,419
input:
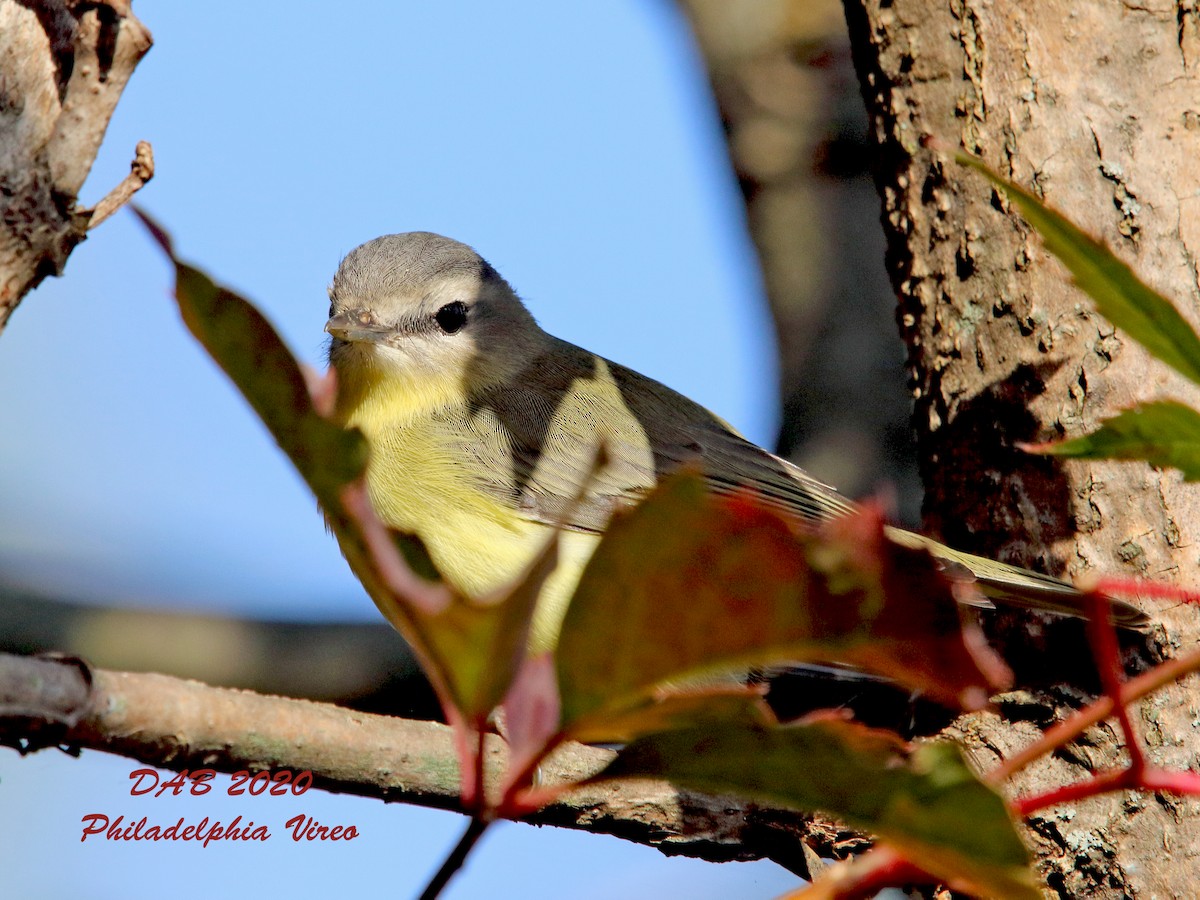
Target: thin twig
x,y
864,876
475,829
141,170
1185,784
1147,683
479,801
1136,776
1107,653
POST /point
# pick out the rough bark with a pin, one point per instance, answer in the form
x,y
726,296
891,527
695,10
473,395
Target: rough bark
x,y
1094,106
63,66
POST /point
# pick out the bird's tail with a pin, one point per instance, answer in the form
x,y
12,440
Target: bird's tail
x,y
1012,586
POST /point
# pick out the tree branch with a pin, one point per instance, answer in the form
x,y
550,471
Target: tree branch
x,y
177,724
141,170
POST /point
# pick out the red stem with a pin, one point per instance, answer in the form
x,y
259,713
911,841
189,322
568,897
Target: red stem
x,y
1148,779
1135,587
867,875
1107,652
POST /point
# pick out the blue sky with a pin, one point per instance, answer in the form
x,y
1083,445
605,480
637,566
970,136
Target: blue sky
x,y
574,145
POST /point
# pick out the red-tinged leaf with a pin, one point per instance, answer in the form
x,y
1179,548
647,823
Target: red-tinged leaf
x,y
531,715
929,804
471,648
245,345
1122,586
1164,434
329,458
482,643
687,584
1121,297
322,388
394,558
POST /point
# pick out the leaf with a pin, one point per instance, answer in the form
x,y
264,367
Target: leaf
x,y
1165,433
929,804
531,716
243,343
470,648
481,644
669,710
687,584
1121,297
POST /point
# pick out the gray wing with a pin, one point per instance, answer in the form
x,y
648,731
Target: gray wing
x,y
536,442
538,439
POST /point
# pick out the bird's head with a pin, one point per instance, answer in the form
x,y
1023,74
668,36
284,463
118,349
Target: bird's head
x,y
426,315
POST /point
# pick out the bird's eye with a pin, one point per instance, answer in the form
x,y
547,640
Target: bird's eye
x,y
451,317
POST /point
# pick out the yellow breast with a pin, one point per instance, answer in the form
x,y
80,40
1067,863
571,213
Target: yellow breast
x,y
419,482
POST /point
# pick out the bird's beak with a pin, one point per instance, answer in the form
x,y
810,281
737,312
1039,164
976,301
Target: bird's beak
x,y
357,325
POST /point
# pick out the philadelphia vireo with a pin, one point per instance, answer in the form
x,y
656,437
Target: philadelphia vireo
x,y
482,428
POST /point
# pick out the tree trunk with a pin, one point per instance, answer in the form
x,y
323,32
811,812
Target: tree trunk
x,y
63,66
1096,107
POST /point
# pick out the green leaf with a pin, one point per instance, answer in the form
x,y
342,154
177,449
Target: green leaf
x,y
1121,297
1165,433
686,585
929,804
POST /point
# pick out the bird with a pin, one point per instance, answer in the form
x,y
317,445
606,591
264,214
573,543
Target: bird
x,y
484,429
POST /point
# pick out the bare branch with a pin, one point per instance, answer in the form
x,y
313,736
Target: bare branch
x,y
177,724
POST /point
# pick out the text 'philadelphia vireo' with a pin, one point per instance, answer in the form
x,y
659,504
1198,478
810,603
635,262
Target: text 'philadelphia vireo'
x,y
482,428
